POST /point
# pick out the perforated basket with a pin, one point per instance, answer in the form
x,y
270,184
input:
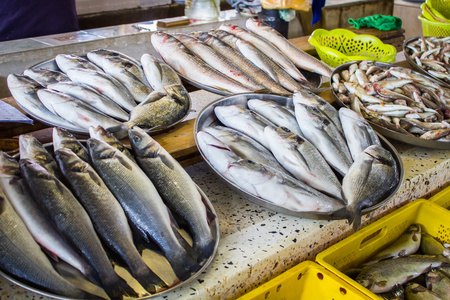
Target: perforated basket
x,y
442,198
434,28
339,46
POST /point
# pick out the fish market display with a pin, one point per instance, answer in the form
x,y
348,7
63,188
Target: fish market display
x,y
395,98
103,87
311,173
112,224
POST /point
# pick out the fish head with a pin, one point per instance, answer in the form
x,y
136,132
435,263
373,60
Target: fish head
x,y
305,97
8,165
367,281
143,144
60,134
228,111
162,40
98,132
16,81
29,146
380,155
32,169
178,93
75,163
99,150
249,174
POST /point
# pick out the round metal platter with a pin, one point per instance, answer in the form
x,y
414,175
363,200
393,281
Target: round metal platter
x,y
77,277
408,139
51,64
416,66
207,118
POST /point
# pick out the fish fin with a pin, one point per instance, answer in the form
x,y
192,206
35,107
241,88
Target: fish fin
x,y
381,283
119,288
97,180
120,131
262,91
125,163
166,161
402,253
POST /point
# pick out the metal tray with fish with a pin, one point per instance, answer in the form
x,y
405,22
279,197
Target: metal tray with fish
x,y
415,66
389,133
207,118
153,257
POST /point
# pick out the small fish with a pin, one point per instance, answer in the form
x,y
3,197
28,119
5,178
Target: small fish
x,y
438,283
98,56
429,245
69,61
415,291
158,73
64,139
45,76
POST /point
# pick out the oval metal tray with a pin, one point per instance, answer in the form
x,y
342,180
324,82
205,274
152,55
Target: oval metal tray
x,y
215,230
207,118
408,139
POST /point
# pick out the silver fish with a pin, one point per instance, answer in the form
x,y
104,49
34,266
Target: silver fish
x,y
69,61
102,134
158,73
45,76
98,56
64,139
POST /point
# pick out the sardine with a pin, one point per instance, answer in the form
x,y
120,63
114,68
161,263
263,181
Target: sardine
x,y
64,139
102,134
98,56
45,76
158,73
69,61
439,283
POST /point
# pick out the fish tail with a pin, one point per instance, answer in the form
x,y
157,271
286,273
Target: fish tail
x,y
120,131
204,251
119,288
149,280
191,251
351,213
184,265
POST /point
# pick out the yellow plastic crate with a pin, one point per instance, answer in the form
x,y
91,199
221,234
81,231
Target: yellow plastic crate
x,y
308,280
442,198
360,246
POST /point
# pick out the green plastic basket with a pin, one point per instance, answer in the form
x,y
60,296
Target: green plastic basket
x,y
339,46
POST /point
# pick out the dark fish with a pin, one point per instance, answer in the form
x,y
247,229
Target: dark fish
x,y
64,139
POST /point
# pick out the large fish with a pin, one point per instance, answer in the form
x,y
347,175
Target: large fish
x,y
108,217
300,58
158,73
24,90
64,139
302,160
102,134
176,188
45,76
74,223
69,61
141,203
98,56
22,257
188,64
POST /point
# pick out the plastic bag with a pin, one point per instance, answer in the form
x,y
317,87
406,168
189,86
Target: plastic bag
x,y
304,5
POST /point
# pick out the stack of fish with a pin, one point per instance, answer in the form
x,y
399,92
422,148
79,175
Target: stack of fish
x,y
103,89
236,60
310,159
431,54
403,269
396,98
87,206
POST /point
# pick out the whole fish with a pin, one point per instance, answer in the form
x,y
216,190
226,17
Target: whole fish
x,y
276,113
45,76
102,134
176,188
141,203
163,107
300,58
64,139
37,223
438,283
158,73
130,75
108,217
302,160
22,257
243,120
429,245
105,84
415,291
92,97
275,187
98,56
357,131
75,111
69,61
373,174
74,223
267,48
188,64
384,275
24,90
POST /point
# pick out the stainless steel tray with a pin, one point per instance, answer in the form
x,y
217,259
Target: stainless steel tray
x,y
149,258
408,139
207,118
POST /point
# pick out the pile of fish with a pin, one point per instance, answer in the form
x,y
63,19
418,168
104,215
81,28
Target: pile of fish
x,y
431,54
236,60
88,206
396,98
106,88
311,158
414,266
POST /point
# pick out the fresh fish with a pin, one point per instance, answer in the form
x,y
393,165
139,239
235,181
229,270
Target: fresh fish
x,y
64,139
188,64
275,187
176,188
429,245
101,134
302,160
130,75
300,58
158,73
141,203
98,56
45,76
108,217
163,107
69,61
357,131
244,146
373,174
243,120
74,223
24,90
37,223
22,257
415,291
396,293
439,283
75,111
384,275
104,84
92,97
267,48
277,114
